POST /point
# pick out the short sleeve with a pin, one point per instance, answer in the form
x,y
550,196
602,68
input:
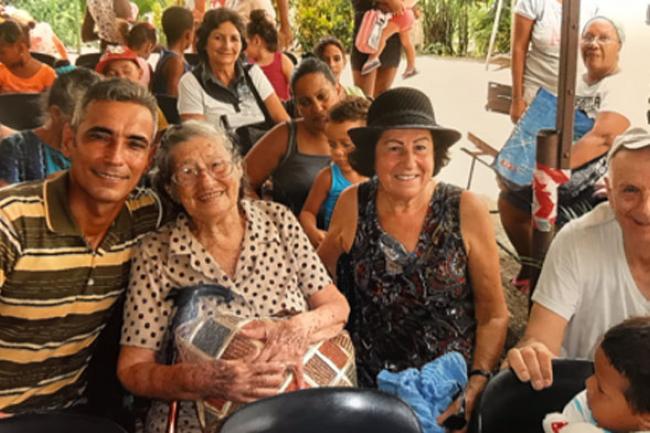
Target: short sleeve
x,y
9,247
622,96
11,157
47,76
531,9
559,288
146,312
190,100
311,273
261,83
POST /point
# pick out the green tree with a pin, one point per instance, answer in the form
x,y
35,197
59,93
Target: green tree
x,y
316,19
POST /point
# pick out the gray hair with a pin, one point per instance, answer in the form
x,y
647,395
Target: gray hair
x,y
178,134
68,89
119,90
616,25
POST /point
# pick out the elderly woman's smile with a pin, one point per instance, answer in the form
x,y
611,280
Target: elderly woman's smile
x,y
205,180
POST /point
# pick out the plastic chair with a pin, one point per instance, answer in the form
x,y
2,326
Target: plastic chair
x,y
510,406
88,60
20,110
45,58
58,422
169,107
325,410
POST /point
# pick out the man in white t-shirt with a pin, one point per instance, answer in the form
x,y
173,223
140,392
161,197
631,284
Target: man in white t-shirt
x,y
597,270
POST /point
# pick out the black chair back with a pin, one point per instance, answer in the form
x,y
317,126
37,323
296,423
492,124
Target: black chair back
x,y
45,58
325,410
20,110
58,423
510,406
169,107
88,60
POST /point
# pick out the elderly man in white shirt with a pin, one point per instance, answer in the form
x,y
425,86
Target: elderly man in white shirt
x,y
597,270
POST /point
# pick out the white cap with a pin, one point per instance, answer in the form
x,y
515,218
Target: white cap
x,y
633,138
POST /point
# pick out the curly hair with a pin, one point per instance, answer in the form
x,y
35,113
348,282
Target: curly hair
x,y
260,25
350,108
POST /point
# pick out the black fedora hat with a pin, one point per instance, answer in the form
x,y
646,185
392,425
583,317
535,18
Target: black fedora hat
x,y
398,108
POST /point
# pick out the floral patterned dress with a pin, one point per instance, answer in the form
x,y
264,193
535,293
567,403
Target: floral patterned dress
x,y
408,307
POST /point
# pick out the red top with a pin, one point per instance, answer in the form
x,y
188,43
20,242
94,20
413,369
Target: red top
x,y
273,72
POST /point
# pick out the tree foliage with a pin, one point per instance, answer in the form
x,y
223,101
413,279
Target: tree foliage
x,y
451,27
463,27
318,18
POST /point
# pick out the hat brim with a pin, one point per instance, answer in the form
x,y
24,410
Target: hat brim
x,y
365,137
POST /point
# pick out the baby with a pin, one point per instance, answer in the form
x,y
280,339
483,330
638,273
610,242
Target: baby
x,y
617,398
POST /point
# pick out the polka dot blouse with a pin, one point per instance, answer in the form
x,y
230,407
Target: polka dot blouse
x,y
277,271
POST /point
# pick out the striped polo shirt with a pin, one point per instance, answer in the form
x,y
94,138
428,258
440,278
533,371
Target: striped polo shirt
x,y
56,292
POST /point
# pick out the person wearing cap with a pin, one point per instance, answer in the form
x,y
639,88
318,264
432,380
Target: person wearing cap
x,y
596,272
122,62
419,259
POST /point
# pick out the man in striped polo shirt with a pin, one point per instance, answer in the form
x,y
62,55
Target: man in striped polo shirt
x,y
65,248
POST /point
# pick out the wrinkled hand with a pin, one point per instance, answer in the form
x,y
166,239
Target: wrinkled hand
x,y
284,342
517,108
241,381
532,363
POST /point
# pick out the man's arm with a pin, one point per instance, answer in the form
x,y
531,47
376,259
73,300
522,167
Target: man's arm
x,y
531,358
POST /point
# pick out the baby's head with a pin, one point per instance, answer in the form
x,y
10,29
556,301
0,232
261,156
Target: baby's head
x,y
14,43
351,112
619,391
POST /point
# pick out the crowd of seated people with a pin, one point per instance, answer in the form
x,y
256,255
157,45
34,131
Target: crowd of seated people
x,y
308,224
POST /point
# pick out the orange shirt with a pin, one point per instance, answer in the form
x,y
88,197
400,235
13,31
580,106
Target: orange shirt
x,y
41,80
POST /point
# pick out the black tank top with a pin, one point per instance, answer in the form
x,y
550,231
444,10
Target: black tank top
x,y
294,176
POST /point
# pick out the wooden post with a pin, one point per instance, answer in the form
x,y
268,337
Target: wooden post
x,y
554,146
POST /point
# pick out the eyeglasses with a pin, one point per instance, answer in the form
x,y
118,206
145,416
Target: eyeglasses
x,y
601,40
189,174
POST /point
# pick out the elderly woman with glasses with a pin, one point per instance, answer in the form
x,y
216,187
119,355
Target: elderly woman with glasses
x,y
255,250
605,96
417,257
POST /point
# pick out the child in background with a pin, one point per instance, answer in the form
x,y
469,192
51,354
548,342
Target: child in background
x,y
330,50
262,49
42,38
351,112
142,40
19,71
402,24
178,26
617,397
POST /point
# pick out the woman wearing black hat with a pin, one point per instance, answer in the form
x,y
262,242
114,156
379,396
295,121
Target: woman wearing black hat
x,y
418,256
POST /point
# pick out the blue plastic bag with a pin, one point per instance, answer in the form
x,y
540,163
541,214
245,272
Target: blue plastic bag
x,y
515,162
